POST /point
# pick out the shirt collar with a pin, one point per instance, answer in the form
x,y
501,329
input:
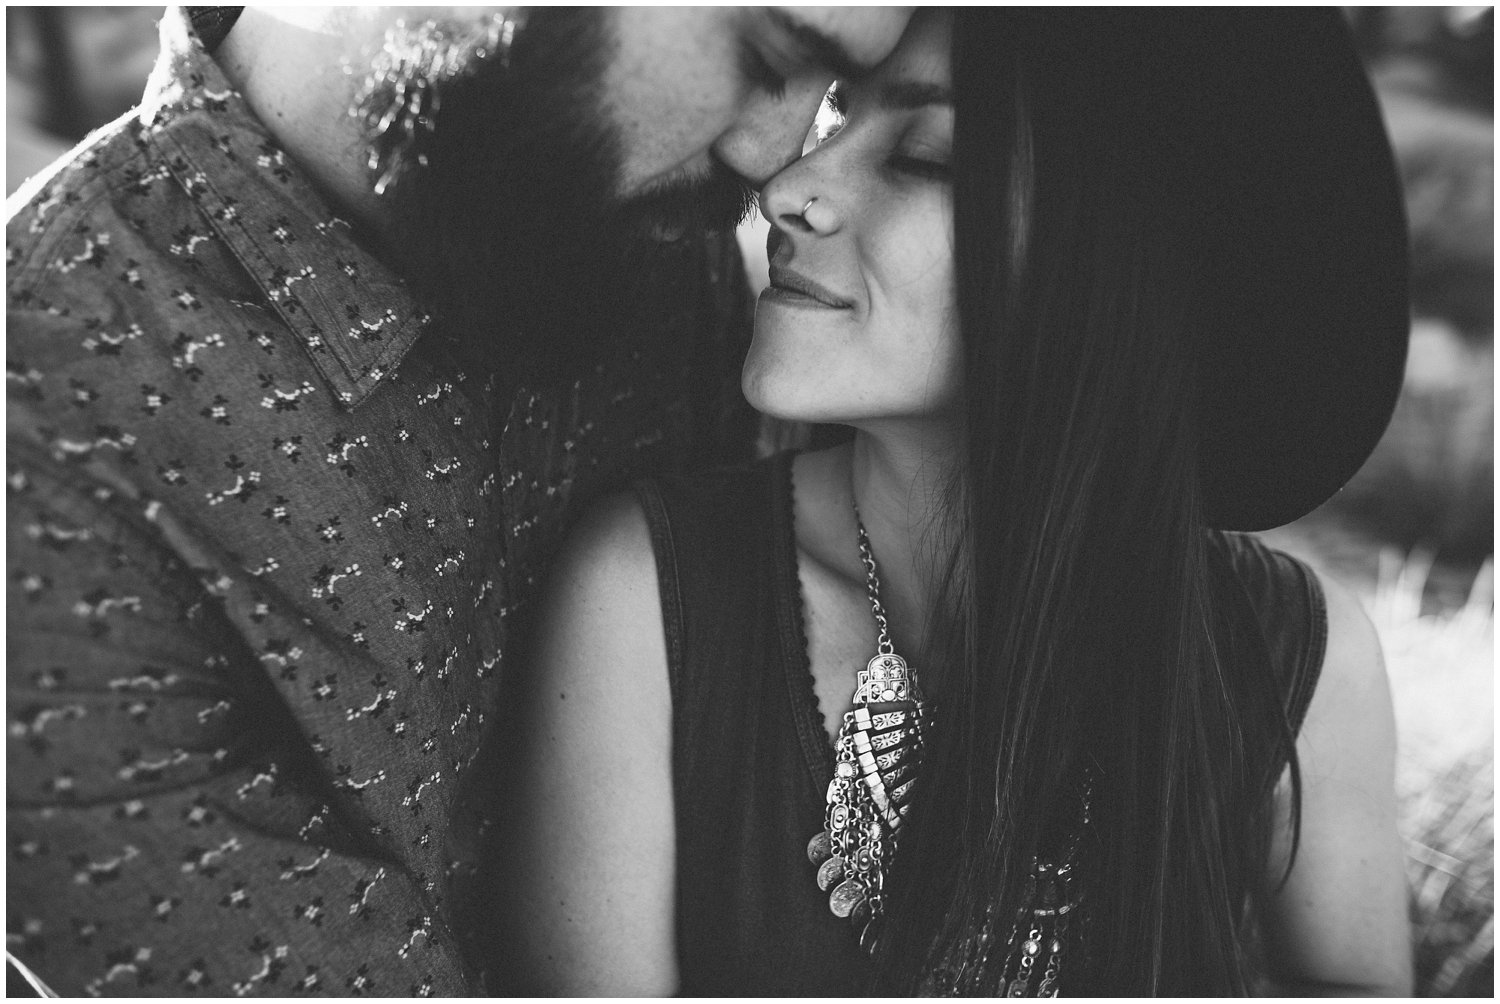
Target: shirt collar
x,y
356,317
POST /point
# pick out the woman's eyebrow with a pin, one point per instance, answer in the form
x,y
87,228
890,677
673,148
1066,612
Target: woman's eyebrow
x,y
902,95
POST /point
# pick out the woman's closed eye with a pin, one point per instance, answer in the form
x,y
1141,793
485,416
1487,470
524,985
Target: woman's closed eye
x,y
921,164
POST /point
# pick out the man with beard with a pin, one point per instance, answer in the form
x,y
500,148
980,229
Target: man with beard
x,y
310,359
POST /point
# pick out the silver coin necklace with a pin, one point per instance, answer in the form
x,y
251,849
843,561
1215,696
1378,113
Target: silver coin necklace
x,y
877,767
877,762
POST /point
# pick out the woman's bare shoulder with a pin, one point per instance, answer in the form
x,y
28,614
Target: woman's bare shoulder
x,y
610,545
589,863
1338,923
1349,721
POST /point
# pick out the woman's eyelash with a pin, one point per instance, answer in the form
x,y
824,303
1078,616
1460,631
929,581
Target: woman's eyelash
x,y
936,170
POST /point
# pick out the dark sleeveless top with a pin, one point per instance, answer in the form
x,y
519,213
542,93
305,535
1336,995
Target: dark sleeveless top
x,y
751,759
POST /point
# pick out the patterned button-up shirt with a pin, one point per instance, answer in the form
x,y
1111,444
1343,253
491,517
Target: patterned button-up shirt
x,y
267,537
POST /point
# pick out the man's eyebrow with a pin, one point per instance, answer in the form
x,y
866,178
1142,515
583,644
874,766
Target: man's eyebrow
x,y
819,46
903,95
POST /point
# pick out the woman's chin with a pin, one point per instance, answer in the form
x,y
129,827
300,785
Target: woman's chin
x,y
779,391
788,408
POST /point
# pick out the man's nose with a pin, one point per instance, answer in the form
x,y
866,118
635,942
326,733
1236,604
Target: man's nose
x,y
769,132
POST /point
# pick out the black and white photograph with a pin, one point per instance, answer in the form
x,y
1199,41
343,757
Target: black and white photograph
x,y
724,501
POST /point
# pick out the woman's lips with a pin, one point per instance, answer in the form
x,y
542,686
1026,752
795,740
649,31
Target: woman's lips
x,y
795,289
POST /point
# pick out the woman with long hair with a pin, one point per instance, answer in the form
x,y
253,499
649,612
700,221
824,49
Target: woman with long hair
x,y
985,699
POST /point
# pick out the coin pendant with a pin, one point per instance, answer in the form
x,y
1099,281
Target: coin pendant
x,y
845,897
830,872
819,847
860,915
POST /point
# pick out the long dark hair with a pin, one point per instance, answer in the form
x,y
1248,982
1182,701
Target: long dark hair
x,y
1079,634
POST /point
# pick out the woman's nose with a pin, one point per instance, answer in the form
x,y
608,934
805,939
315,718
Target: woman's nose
x,y
795,200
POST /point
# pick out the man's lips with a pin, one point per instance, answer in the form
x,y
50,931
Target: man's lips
x,y
784,278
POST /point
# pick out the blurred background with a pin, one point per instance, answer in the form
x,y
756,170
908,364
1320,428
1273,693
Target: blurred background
x,y
1413,533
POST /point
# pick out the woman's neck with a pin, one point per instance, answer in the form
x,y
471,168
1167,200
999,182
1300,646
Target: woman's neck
x,y
901,483
897,488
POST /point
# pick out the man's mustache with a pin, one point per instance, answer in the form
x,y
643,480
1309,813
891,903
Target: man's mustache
x,y
716,200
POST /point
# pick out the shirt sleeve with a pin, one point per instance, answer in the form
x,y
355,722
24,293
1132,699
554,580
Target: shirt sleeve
x,y
169,831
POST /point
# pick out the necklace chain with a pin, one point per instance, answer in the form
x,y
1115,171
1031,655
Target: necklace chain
x,y
872,586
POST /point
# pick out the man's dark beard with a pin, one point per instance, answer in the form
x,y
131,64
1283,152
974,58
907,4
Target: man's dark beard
x,y
718,200
511,233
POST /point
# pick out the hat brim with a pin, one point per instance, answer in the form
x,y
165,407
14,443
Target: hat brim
x,y
1302,359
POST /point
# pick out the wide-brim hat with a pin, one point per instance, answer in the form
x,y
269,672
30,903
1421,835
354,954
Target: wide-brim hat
x,y
1302,360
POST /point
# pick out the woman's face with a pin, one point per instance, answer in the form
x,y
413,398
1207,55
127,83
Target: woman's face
x,y
859,323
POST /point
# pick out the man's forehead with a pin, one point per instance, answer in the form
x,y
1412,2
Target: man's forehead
x,y
850,40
